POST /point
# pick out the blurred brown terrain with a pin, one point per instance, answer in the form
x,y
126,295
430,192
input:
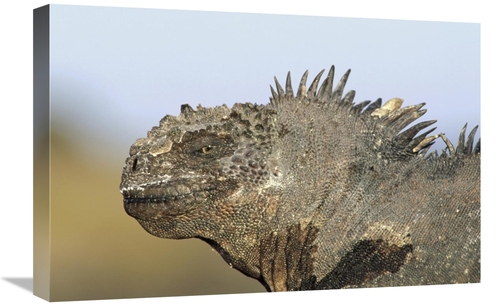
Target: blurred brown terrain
x,y
99,252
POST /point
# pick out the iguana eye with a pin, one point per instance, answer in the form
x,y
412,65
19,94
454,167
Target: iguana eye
x,y
207,149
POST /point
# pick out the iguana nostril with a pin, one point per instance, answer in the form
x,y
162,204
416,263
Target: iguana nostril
x,y
134,164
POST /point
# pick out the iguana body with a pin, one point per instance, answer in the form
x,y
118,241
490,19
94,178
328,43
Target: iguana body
x,y
313,191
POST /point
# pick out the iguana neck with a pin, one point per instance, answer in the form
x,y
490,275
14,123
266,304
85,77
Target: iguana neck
x,y
236,234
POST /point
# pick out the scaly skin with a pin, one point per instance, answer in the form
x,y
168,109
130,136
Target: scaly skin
x,y
312,191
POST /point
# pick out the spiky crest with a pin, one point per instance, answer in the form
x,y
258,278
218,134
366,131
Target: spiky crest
x,y
389,117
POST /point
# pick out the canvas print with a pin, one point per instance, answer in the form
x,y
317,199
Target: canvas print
x,y
166,165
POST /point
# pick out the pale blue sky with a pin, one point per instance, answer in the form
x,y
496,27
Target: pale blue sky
x,y
115,72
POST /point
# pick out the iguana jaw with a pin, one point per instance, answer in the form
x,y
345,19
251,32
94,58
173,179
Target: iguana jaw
x,y
158,208
157,202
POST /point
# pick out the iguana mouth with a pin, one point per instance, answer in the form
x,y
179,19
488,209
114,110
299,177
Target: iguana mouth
x,y
155,207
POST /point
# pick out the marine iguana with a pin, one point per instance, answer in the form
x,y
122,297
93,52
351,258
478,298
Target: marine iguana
x,y
313,191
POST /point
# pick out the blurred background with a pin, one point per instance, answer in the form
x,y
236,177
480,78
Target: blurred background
x,y
115,72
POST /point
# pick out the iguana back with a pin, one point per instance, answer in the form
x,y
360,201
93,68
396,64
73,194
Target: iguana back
x,y
313,191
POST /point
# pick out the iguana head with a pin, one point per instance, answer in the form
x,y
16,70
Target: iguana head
x,y
182,173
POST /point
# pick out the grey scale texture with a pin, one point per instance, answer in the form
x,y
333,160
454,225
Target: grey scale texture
x,y
313,191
